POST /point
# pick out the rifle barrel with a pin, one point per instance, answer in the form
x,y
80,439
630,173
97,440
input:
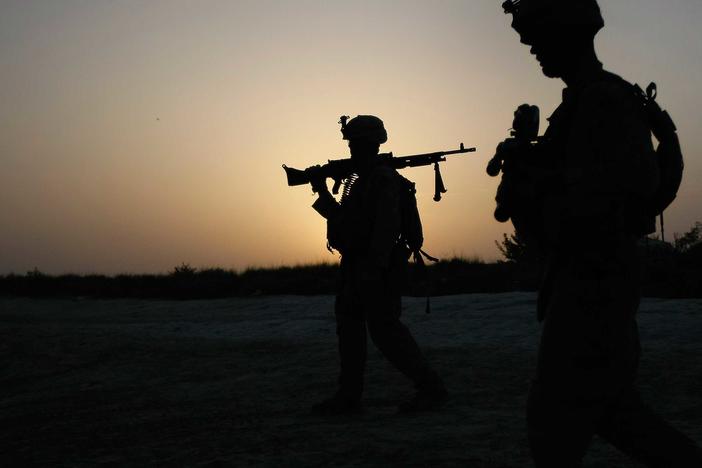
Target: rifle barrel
x,y
400,162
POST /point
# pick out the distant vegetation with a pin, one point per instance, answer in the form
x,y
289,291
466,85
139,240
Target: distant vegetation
x,y
669,270
185,282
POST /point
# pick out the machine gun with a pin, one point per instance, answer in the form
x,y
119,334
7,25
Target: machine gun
x,y
340,169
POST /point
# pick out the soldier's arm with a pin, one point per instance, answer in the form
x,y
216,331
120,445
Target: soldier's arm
x,y
337,224
326,205
387,223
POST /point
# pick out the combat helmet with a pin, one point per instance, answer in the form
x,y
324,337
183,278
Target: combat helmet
x,y
532,17
364,127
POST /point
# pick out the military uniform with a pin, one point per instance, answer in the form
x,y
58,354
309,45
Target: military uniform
x,y
589,349
365,228
585,215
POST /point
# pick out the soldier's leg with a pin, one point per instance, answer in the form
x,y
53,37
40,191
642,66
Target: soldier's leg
x,y
351,333
629,424
636,430
397,344
559,430
573,380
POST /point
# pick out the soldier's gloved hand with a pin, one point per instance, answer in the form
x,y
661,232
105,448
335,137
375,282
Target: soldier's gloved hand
x,y
319,185
317,180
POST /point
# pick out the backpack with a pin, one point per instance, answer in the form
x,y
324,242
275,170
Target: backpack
x,y
411,233
668,157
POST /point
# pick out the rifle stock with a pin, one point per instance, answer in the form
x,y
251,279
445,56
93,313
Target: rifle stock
x,y
296,176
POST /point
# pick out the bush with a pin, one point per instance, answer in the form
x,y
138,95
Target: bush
x,y
690,239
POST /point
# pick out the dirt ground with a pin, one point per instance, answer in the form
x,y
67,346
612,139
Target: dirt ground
x,y
230,383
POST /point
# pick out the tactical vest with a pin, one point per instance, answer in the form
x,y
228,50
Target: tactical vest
x,y
358,225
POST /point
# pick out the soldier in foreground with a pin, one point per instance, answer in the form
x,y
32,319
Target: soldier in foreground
x,y
583,204
365,227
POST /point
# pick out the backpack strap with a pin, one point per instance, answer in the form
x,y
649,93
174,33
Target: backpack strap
x,y
424,274
419,253
662,126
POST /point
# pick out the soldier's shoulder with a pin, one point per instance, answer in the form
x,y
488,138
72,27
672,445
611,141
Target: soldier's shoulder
x,y
385,176
610,91
384,172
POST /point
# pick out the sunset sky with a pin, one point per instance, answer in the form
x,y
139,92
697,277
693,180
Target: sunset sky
x,y
136,135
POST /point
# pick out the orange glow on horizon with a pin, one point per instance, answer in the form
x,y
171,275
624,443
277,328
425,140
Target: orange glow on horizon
x,y
135,139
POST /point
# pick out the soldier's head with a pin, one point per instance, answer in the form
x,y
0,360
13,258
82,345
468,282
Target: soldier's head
x,y
365,134
559,32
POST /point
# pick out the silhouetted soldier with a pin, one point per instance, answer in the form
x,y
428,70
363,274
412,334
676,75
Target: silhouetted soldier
x,y
365,227
597,169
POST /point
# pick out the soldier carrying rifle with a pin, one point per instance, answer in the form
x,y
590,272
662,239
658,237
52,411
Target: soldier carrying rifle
x,y
366,228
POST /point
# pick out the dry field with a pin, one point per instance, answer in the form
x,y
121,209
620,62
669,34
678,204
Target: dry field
x,y
230,383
